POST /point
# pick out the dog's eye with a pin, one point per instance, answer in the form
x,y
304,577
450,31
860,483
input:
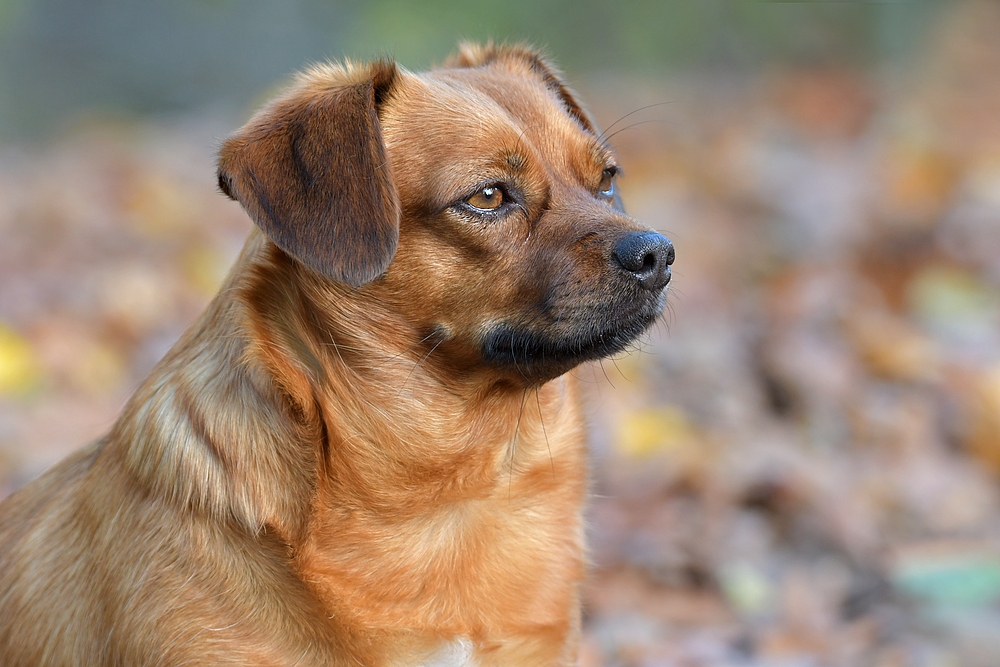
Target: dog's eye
x,y
489,198
607,186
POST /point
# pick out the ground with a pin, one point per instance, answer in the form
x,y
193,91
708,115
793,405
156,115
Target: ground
x,y
798,466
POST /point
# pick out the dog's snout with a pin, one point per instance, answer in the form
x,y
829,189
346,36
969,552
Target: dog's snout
x,y
647,256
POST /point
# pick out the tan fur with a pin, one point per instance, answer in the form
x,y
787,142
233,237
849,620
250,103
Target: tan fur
x,y
323,470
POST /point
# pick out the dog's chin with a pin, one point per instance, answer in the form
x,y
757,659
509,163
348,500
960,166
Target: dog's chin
x,y
541,354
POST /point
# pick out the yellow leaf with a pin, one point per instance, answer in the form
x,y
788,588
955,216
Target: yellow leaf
x,y
19,368
644,432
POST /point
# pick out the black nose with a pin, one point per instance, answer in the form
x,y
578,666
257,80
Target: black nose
x,y
647,256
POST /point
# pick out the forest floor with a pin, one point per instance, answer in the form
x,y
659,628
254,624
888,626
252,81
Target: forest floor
x,y
799,466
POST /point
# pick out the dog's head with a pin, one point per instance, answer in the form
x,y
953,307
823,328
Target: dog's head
x,y
477,201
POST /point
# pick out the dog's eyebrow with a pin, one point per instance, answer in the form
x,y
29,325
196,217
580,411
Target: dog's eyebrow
x,y
602,153
515,162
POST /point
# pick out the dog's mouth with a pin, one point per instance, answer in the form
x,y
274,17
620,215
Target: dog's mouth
x,y
541,353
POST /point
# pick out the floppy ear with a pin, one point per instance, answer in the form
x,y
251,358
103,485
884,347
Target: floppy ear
x,y
476,55
311,170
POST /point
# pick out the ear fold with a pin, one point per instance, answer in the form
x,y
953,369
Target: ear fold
x,y
311,170
476,55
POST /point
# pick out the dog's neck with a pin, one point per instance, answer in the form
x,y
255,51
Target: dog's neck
x,y
311,443
309,365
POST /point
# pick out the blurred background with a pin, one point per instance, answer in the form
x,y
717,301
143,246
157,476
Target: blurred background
x,y
799,466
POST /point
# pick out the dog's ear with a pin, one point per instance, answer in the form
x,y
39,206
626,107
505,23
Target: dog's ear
x,y
311,170
479,55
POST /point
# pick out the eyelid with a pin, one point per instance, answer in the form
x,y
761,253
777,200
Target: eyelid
x,y
511,195
471,192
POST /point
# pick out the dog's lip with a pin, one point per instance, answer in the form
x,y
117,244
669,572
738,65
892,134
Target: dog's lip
x,y
644,305
510,343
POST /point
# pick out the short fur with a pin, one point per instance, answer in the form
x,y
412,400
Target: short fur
x,y
366,451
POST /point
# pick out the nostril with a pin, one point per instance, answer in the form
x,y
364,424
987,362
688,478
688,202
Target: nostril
x,y
646,255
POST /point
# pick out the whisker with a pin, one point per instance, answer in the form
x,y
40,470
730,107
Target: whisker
x,y
632,113
513,356
419,362
617,368
603,370
513,442
633,125
545,433
395,356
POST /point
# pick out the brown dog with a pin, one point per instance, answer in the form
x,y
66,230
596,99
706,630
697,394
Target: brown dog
x,y
366,451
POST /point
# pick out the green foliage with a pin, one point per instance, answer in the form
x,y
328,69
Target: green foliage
x,y
63,58
648,35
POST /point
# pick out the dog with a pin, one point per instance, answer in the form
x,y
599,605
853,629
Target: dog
x,y
368,450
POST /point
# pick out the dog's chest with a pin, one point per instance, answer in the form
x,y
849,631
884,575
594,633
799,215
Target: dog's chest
x,y
456,653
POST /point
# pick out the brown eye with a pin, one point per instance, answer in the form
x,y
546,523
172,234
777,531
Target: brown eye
x,y
607,186
489,198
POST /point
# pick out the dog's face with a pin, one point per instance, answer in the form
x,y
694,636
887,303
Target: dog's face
x,y
513,251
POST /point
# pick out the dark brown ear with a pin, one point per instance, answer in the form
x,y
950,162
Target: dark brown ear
x,y
478,55
311,170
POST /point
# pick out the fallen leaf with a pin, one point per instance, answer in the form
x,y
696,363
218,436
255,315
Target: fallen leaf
x,y
645,432
19,368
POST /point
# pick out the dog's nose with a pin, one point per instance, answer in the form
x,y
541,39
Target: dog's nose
x,y
647,256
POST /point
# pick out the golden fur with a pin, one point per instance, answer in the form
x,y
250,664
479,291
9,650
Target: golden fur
x,y
343,462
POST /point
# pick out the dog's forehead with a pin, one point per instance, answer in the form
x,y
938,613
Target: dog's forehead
x,y
464,110
522,95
